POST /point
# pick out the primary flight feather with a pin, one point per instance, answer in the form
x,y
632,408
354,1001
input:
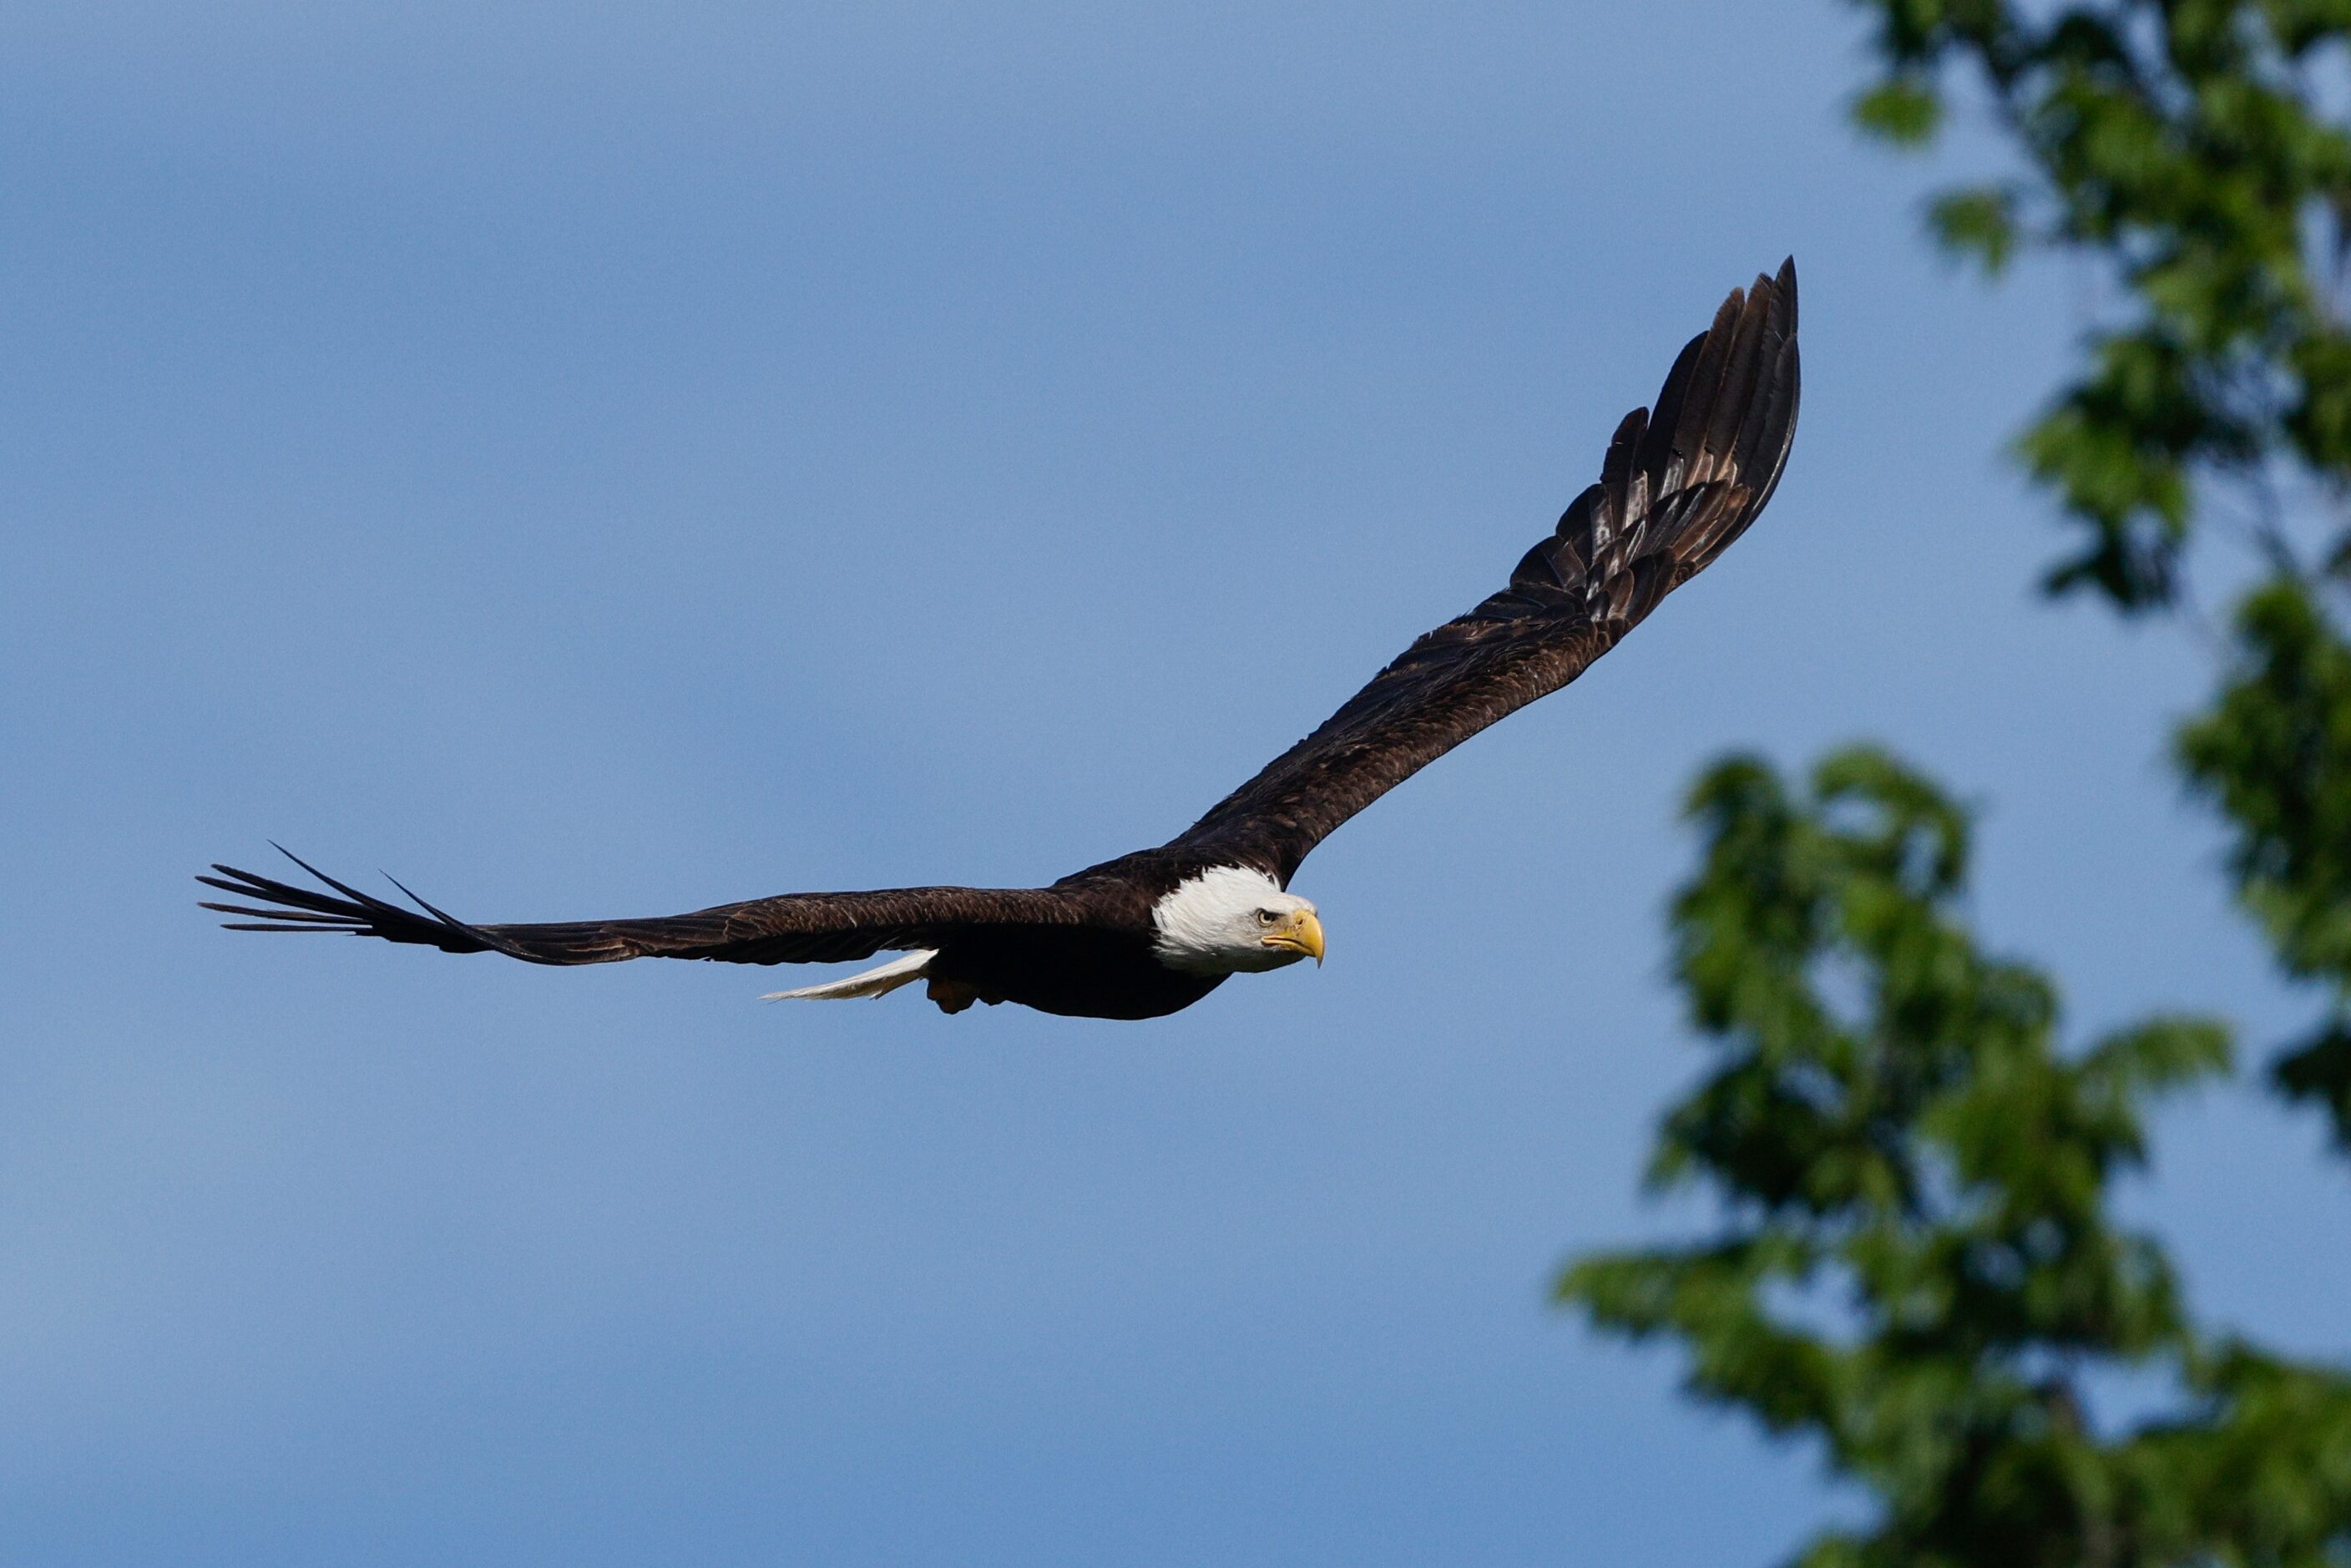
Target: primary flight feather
x,y
1155,930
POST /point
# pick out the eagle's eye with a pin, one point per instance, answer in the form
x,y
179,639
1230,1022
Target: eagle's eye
x,y
1266,917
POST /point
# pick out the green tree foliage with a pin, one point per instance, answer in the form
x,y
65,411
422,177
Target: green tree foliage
x,y
2192,152
2273,753
2181,145
1917,1267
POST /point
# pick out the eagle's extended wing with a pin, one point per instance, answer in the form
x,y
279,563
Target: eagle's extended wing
x,y
796,928
1677,487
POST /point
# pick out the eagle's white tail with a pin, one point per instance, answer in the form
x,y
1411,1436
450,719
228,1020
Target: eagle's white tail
x,y
878,982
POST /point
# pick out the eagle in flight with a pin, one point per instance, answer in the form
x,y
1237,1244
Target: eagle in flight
x,y
1152,931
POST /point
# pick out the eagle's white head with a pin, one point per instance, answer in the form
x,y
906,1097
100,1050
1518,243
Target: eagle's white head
x,y
1232,920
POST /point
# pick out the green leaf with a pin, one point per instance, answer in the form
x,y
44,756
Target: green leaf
x,y
1902,109
1977,224
2319,1069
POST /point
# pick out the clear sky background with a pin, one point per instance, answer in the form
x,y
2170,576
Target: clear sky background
x,y
607,460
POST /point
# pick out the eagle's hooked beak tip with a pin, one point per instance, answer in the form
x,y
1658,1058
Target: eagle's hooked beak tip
x,y
1302,935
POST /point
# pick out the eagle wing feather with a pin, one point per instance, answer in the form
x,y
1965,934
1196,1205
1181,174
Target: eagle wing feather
x,y
1679,483
794,929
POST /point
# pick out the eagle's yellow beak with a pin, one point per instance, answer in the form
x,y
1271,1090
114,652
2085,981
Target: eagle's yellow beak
x,y
1302,933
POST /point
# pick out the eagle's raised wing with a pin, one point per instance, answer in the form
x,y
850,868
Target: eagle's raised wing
x,y
1677,487
796,928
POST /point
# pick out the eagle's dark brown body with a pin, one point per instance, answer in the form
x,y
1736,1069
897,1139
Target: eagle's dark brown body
x,y
1074,971
1099,966
1675,488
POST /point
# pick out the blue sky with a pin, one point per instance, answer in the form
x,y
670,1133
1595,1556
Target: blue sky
x,y
607,460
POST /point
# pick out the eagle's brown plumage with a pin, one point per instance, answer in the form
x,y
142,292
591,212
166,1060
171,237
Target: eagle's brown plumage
x,y
1678,485
796,928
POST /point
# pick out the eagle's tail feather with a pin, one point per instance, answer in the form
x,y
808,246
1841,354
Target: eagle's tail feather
x,y
879,982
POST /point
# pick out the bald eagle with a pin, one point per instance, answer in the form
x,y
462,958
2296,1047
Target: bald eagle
x,y
1152,931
